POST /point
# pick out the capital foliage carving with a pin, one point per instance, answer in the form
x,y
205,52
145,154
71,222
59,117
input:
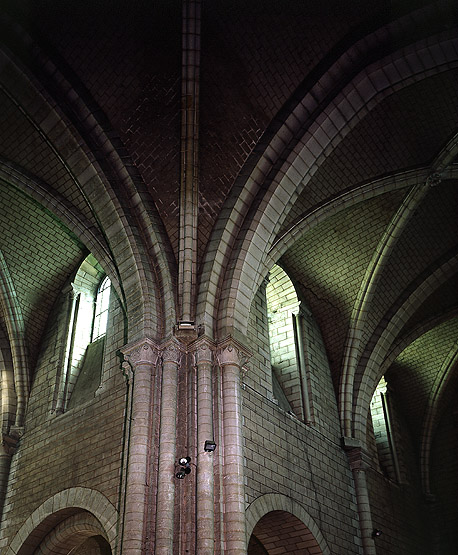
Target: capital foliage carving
x,y
203,351
232,352
142,352
172,352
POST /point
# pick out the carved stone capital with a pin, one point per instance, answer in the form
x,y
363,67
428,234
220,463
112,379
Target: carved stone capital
x,y
76,290
9,444
144,351
70,291
16,432
232,352
304,310
358,458
202,350
172,352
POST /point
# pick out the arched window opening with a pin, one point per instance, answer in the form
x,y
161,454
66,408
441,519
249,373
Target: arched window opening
x,y
383,431
101,309
87,303
7,389
288,351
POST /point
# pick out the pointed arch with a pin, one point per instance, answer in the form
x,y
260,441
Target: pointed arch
x,y
382,342
301,139
405,340
361,308
278,502
56,509
72,218
354,342
71,534
139,249
441,384
12,313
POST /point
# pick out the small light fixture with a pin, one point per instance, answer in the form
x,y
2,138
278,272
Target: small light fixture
x,y
186,325
209,446
185,467
376,533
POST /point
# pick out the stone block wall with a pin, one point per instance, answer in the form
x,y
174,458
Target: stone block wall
x,y
284,455
282,305
397,502
79,448
444,481
400,512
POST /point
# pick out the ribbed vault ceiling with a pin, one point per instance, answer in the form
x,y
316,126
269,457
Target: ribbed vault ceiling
x,y
127,62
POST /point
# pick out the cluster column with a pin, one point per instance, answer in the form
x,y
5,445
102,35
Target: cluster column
x,y
231,358
358,465
171,359
140,367
203,353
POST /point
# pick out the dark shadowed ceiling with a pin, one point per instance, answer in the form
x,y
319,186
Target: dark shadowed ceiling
x,y
117,65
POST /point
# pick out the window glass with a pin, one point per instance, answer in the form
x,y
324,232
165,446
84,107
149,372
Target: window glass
x,y
101,309
383,432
